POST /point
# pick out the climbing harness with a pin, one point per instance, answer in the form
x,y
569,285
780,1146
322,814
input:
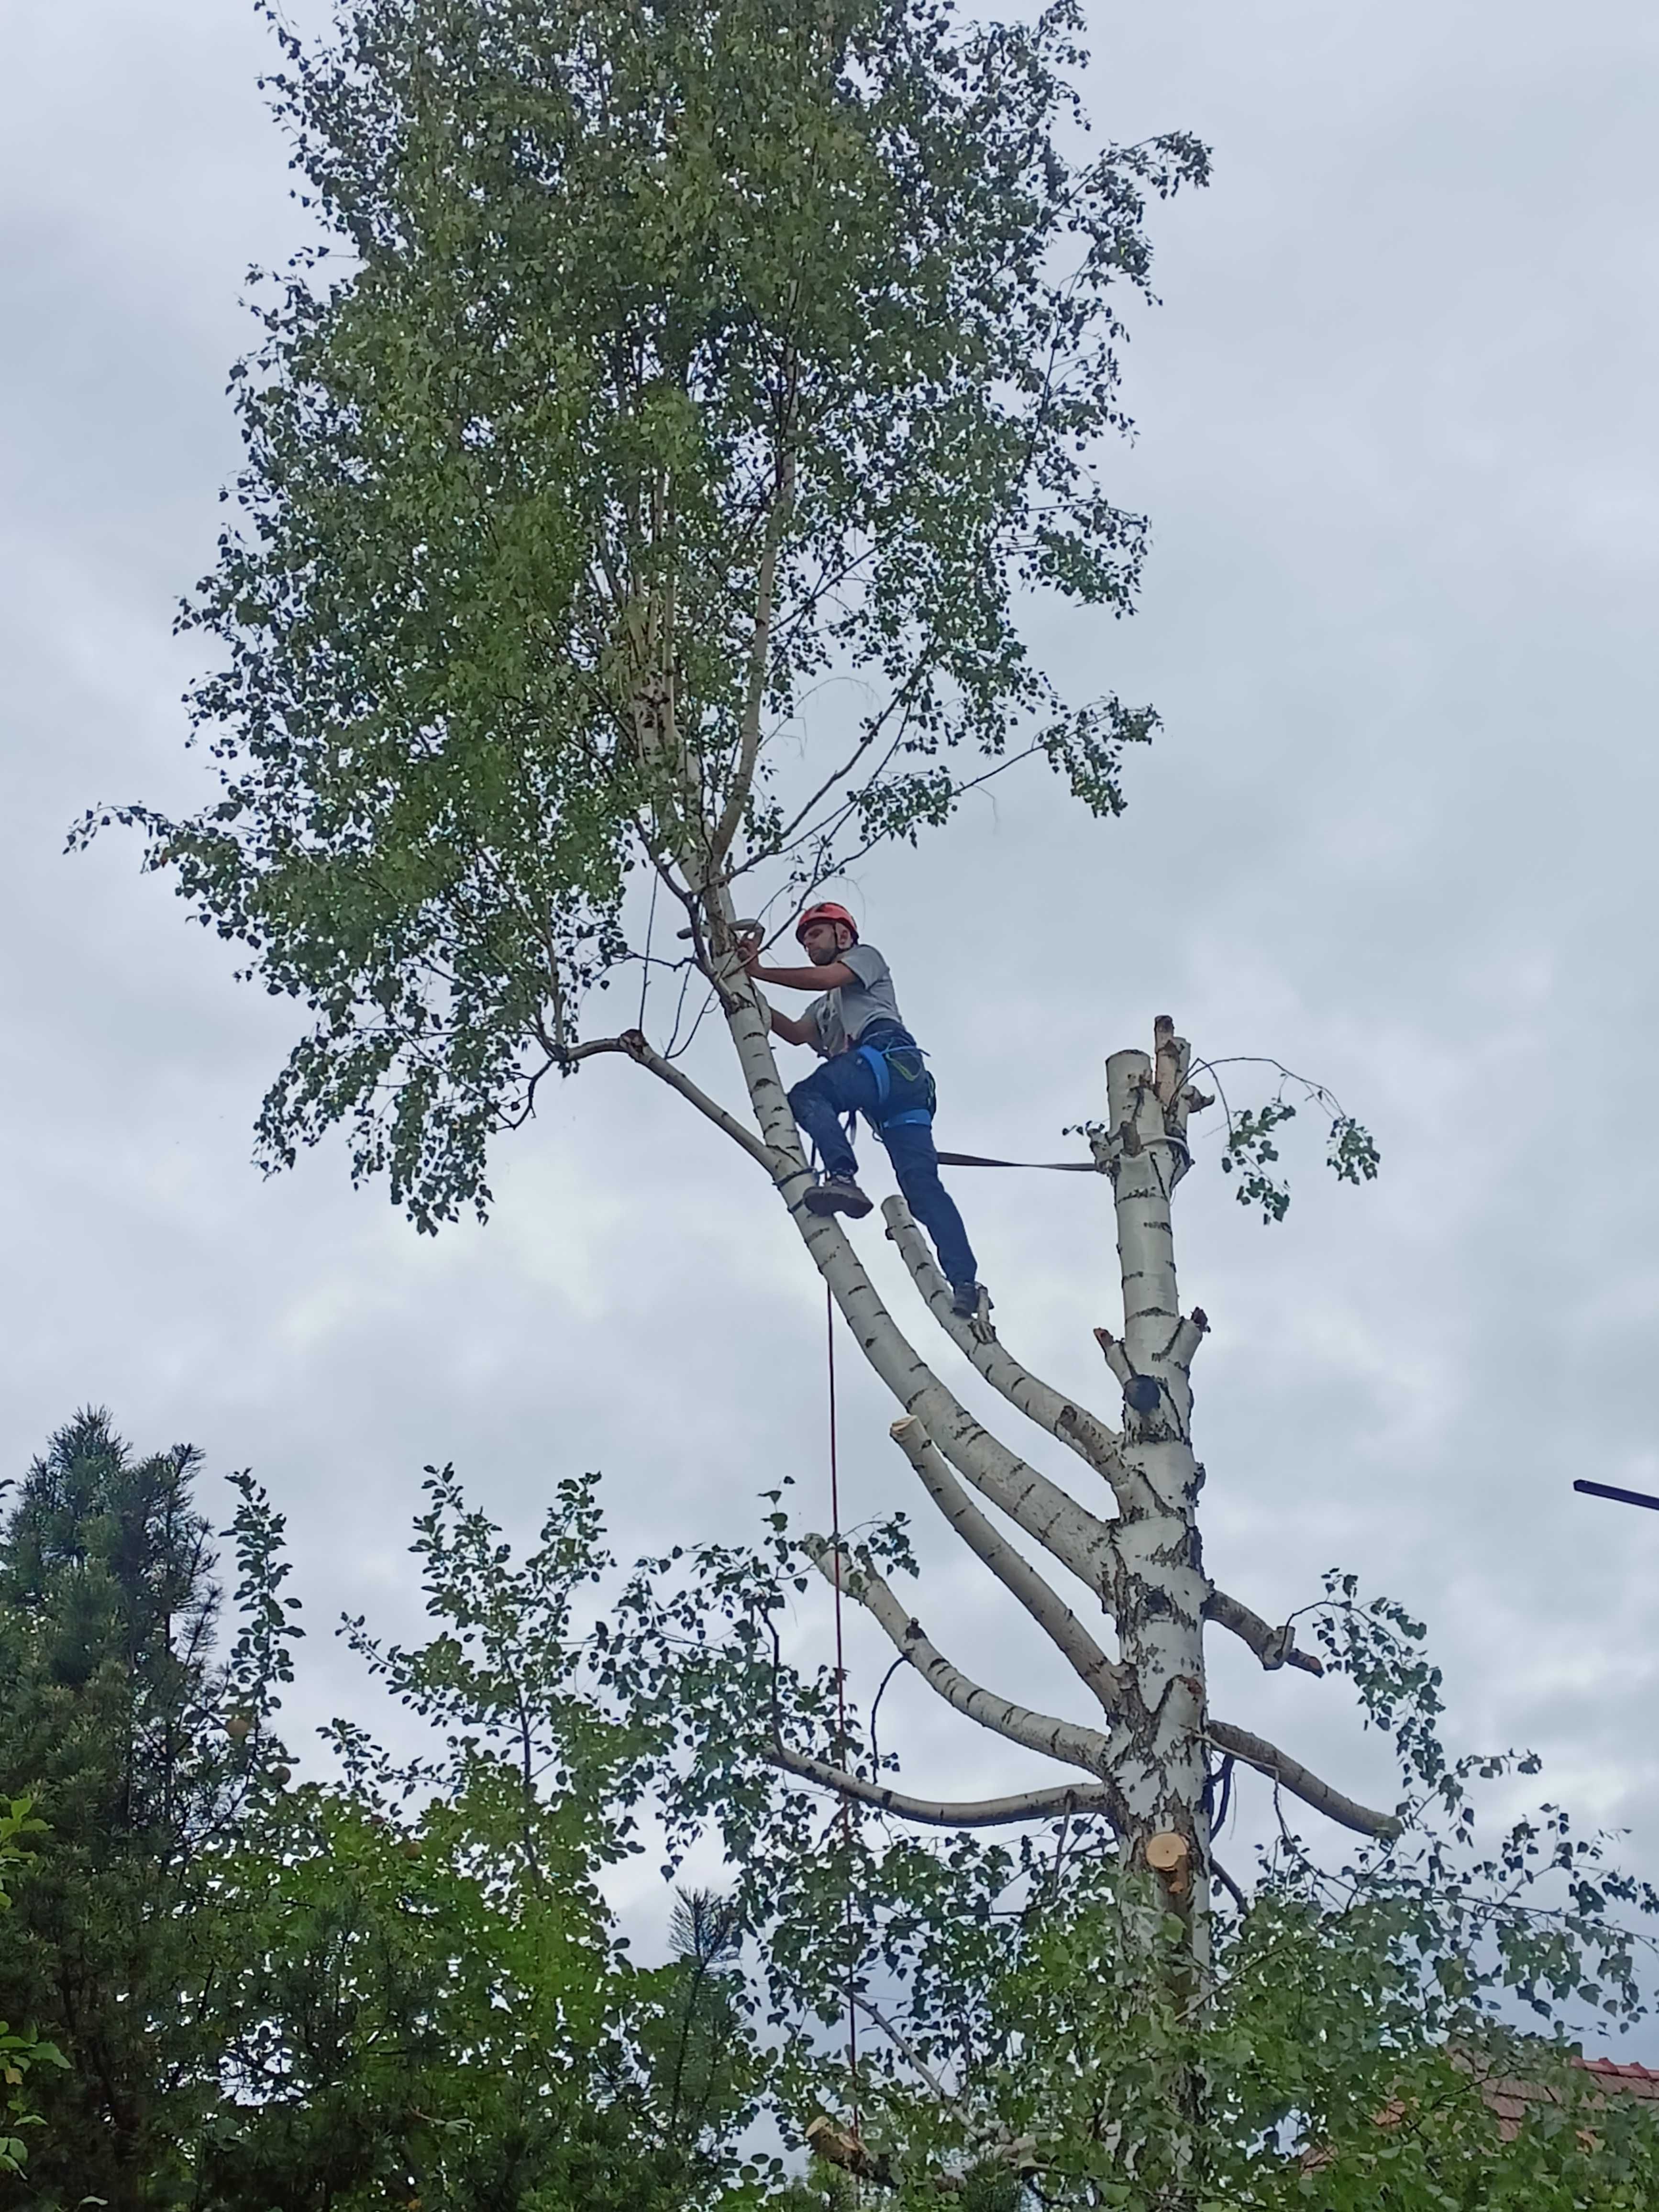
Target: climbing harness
x,y
903,1068
899,1070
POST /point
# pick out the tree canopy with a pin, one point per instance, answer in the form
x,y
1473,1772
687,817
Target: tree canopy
x,y
649,470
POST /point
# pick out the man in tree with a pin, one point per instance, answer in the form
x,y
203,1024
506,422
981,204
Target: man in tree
x,y
871,1066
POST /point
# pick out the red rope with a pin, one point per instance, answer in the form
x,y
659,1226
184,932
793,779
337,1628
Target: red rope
x,y
841,1703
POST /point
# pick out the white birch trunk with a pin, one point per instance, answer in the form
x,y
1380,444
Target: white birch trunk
x,y
1160,1589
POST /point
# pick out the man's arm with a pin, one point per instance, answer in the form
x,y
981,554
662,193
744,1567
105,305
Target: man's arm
x,y
834,977
786,1026
793,1031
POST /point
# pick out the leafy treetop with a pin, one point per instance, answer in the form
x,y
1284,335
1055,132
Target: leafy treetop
x,y
647,471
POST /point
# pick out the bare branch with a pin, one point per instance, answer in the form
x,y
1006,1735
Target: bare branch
x,y
1015,1572
1267,1759
1051,1804
1087,1436
1066,1740
1221,1875
1273,1647
1079,1540
905,2048
777,1165
567,1055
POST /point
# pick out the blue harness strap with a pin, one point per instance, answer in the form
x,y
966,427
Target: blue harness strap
x,y
876,1061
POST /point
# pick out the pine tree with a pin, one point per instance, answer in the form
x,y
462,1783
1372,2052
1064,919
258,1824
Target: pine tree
x,y
107,1724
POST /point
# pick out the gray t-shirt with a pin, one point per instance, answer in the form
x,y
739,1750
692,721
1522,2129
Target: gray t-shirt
x,y
840,1017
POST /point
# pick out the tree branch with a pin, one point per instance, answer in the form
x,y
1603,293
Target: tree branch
x,y
1087,1436
1066,1740
940,1812
567,1055
1267,1759
760,653
1015,1572
906,2049
1221,1875
1079,1540
1273,1647
777,1165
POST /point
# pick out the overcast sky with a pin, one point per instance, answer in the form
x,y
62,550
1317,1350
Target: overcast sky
x,y
1396,437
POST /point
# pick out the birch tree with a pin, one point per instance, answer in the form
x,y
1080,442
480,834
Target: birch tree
x,y
665,377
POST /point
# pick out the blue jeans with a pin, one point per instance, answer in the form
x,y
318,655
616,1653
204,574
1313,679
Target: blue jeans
x,y
847,1085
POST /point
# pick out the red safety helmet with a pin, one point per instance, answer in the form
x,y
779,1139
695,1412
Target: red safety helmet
x,y
827,911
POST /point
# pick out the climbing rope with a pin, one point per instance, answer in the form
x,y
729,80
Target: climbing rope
x,y
650,925
1049,1167
841,1709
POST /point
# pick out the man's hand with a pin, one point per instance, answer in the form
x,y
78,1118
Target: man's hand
x,y
748,951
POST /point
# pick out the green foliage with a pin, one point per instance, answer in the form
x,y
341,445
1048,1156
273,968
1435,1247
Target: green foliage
x,y
647,469
111,1722
1250,1152
398,1985
401,1982
447,2011
1038,2014
20,2050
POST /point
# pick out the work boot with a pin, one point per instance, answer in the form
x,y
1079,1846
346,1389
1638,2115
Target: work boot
x,y
965,1298
837,1194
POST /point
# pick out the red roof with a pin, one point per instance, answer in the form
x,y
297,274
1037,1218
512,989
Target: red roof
x,y
1634,2080
1509,2098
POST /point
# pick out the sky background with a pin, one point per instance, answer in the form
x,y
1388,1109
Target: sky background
x,y
1396,437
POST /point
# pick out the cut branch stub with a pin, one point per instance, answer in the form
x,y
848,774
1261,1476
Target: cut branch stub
x,y
840,2147
1273,1647
1172,1054
1170,1855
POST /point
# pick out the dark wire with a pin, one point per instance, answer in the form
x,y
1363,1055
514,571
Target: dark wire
x,y
650,925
